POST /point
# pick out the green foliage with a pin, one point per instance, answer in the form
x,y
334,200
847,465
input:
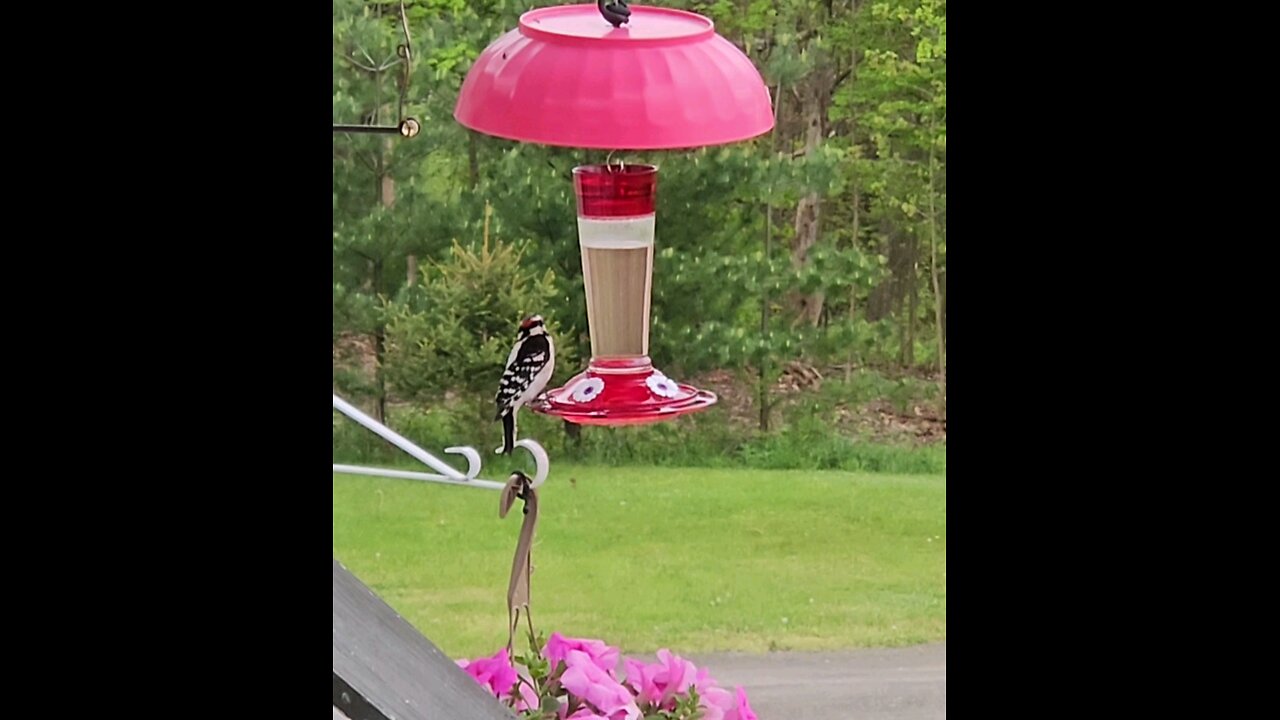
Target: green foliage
x,y
810,445
726,276
454,330
898,100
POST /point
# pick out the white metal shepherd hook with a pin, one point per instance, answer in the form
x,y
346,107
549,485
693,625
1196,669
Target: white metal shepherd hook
x,y
447,474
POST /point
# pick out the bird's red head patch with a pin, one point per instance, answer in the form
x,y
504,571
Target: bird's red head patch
x,y
531,321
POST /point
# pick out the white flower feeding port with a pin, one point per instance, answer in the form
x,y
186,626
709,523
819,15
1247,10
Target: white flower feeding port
x,y
586,389
662,385
444,472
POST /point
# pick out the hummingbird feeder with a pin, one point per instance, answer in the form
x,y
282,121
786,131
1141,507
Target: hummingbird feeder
x,y
614,77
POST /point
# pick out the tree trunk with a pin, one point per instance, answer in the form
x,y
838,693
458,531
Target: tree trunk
x,y
379,355
853,289
857,209
911,312
768,251
909,285
386,183
942,280
933,270
891,297
813,102
386,198
886,298
389,201
488,213
473,160
764,320
901,331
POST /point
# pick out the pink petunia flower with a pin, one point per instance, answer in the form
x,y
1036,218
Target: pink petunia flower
x,y
584,679
494,672
558,646
656,684
743,709
716,702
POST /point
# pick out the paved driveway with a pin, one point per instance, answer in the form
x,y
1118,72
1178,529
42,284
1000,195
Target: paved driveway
x,y
893,684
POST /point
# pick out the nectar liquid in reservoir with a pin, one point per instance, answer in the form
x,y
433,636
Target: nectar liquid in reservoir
x,y
615,232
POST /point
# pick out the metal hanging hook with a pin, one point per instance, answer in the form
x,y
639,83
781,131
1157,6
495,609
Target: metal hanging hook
x,y
608,162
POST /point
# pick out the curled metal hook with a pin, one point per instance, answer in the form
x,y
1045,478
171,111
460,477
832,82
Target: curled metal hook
x,y
541,463
608,162
473,459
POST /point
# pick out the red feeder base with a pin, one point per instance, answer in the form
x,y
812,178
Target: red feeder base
x,y
621,392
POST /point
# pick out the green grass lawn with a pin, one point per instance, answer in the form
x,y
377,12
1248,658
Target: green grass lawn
x,y
690,559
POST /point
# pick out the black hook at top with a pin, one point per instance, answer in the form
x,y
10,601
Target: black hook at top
x,y
615,11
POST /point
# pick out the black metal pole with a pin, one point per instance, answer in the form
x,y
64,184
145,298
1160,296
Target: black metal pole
x,y
408,128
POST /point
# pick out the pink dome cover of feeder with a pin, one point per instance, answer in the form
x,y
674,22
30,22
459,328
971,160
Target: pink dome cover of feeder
x,y
567,77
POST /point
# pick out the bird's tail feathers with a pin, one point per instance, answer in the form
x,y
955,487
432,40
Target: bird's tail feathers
x,y
508,433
